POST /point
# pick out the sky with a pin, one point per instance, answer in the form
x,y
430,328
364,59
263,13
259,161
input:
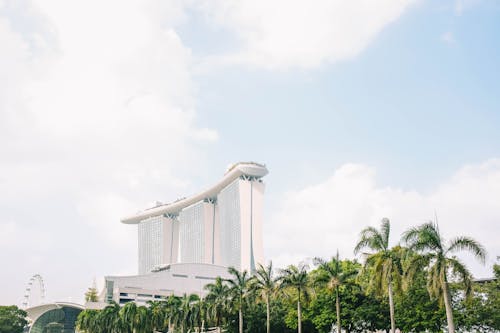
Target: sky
x,y
360,109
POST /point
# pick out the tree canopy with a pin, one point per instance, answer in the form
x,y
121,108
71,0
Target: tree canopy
x,y
334,293
12,319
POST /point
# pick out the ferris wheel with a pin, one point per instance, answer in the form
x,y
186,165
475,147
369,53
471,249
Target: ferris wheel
x,y
36,280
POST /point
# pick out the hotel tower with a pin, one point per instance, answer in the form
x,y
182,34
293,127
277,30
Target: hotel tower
x,y
185,244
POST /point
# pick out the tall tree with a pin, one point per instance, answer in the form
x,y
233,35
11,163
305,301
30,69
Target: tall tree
x,y
12,319
108,319
436,257
332,276
385,263
87,321
199,315
265,283
239,288
142,320
128,313
172,305
218,293
158,314
91,294
296,279
185,314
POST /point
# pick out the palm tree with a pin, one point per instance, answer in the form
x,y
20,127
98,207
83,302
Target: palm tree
x,y
216,298
142,320
427,240
109,319
87,321
127,314
386,263
185,313
198,315
157,310
333,276
296,279
265,283
171,311
239,290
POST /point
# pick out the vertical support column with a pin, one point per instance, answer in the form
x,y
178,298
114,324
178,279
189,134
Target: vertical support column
x,y
229,225
258,188
251,210
175,242
245,198
217,259
209,220
171,238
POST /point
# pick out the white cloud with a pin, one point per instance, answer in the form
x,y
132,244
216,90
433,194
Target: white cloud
x,y
318,220
304,34
97,118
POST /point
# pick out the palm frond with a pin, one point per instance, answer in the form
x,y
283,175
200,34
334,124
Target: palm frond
x,y
414,264
431,236
422,238
468,244
371,238
410,236
318,261
460,270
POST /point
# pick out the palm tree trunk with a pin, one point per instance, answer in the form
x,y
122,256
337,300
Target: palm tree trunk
x,y
268,313
449,310
337,306
391,307
299,317
241,319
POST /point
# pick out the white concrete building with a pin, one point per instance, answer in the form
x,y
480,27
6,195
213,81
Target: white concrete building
x,y
175,279
221,225
185,244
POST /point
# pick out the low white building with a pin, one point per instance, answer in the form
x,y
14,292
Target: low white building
x,y
175,279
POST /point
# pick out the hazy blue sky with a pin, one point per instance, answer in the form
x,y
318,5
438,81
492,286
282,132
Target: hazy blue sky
x,y
359,109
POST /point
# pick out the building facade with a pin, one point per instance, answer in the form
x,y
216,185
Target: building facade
x,y
175,279
186,244
220,226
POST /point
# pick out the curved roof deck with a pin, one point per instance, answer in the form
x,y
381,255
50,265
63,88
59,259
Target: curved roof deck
x,y
247,168
34,312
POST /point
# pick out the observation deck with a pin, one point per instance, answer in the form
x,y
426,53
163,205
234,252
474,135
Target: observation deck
x,y
250,169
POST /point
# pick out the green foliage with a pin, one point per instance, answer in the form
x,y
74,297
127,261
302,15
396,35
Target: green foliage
x,y
481,313
359,311
334,275
385,264
217,302
12,319
321,311
295,282
364,312
437,259
91,295
255,318
361,292
416,311
239,292
265,284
